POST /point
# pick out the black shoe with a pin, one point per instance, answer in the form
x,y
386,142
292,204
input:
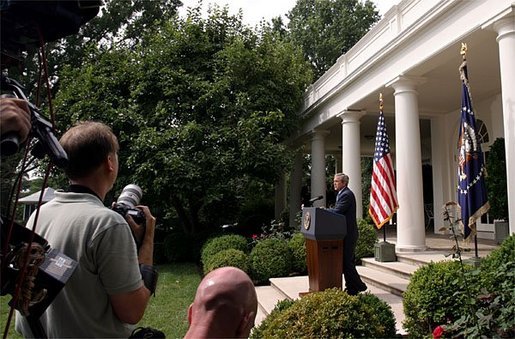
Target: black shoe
x,y
362,288
351,292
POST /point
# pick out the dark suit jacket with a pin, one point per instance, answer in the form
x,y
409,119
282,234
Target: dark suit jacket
x,y
346,205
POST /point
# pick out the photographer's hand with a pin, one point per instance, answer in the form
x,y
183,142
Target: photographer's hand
x,y
146,251
14,119
138,231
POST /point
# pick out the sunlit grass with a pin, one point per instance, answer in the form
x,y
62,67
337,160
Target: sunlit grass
x,y
167,311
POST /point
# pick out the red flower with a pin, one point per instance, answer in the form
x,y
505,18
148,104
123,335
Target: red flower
x,y
438,331
254,236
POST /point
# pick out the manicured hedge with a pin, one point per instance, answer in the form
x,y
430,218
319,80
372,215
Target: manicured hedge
x,y
330,314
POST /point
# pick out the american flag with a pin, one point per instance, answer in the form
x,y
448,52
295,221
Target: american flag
x,y
471,190
383,195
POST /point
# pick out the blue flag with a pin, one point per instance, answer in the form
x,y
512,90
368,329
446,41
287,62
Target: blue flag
x,y
472,196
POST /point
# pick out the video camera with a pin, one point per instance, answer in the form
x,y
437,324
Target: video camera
x,y
25,24
41,129
45,270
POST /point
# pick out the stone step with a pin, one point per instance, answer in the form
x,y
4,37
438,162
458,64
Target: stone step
x,y
268,296
400,269
421,258
389,282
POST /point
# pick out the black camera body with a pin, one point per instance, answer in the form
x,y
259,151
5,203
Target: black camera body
x,y
128,199
137,215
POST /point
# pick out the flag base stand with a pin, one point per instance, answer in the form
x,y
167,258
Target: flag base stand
x,y
385,252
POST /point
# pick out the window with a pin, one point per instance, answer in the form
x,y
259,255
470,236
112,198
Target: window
x,y
482,132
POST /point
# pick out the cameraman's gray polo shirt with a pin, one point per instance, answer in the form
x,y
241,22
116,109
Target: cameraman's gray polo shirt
x,y
80,226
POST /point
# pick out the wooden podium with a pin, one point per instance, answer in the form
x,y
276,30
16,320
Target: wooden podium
x,y
324,232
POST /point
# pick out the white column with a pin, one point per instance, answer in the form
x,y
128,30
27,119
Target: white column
x,y
318,184
295,187
506,38
444,189
410,216
351,154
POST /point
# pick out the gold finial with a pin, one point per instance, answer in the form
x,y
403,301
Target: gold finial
x,y
463,50
381,101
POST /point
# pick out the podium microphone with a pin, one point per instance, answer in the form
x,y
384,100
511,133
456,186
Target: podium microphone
x,y
312,200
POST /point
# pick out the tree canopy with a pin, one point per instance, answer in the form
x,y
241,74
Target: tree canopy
x,y
201,107
326,29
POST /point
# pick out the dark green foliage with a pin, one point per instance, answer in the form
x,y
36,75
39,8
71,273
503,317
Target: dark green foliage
x,y
505,253
257,332
159,253
367,164
366,240
270,258
230,257
221,243
493,308
330,314
496,184
179,247
256,211
327,29
297,245
201,107
436,295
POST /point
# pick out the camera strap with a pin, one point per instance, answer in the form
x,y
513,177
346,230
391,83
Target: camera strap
x,y
81,189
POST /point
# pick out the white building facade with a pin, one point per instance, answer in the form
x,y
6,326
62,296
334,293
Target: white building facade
x,y
412,57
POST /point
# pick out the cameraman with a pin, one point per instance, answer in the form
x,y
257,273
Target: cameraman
x,y
108,290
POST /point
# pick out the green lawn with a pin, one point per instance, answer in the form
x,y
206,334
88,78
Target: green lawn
x,y
167,311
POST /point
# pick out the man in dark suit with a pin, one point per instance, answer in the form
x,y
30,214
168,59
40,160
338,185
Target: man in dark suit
x,y
346,205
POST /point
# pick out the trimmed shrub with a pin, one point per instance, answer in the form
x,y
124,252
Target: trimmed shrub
x,y
230,257
330,314
270,258
257,332
297,246
366,240
224,242
437,294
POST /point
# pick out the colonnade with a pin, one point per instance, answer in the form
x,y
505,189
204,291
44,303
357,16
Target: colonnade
x,y
408,164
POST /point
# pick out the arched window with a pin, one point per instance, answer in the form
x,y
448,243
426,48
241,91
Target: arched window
x,y
482,132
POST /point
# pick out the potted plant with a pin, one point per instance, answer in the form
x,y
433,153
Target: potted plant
x,y
497,190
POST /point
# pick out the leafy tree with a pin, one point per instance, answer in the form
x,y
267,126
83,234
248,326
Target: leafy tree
x,y
119,22
201,107
328,28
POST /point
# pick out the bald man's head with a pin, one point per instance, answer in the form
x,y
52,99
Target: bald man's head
x,y
225,305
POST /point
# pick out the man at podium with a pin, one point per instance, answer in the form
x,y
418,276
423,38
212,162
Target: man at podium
x,y
346,205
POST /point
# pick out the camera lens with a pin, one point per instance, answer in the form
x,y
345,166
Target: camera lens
x,y
130,196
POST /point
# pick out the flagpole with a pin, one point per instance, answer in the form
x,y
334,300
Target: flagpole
x,y
463,52
381,109
383,195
